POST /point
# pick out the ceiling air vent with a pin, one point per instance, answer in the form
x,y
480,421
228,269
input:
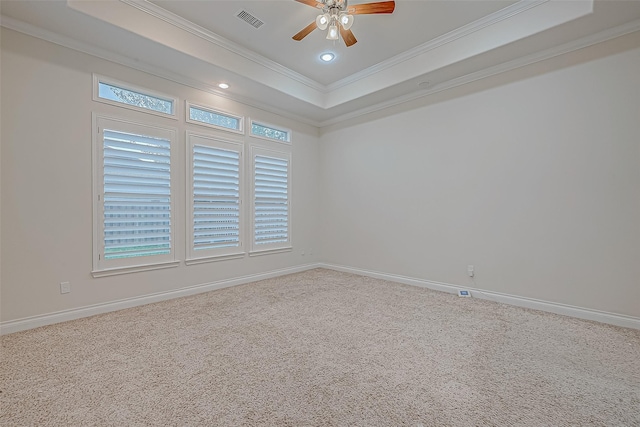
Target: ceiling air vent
x,y
249,19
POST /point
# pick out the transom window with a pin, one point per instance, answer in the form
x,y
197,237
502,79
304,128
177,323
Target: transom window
x,y
262,130
124,95
213,118
134,185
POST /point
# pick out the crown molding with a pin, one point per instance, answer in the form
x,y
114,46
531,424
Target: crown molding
x,y
188,26
211,37
183,24
84,47
581,43
442,40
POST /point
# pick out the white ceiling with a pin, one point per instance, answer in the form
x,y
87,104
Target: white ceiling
x,y
380,37
422,48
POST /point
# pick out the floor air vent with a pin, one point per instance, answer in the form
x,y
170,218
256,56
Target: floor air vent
x,y
249,19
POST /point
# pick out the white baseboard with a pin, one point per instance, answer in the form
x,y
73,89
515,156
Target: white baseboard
x,y
77,313
12,326
551,307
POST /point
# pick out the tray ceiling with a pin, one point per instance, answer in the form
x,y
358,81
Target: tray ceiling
x,y
423,47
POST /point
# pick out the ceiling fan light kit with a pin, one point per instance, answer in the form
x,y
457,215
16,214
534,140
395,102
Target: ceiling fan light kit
x,y
337,16
332,34
346,21
322,21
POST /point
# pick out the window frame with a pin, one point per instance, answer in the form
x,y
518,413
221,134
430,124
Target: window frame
x,y
97,79
220,254
269,125
257,250
101,266
188,119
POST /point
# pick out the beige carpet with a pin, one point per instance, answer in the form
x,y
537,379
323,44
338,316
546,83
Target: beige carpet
x,y
322,348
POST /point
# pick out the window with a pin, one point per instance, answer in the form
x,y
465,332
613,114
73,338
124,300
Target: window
x,y
214,199
216,119
269,132
271,189
124,95
134,202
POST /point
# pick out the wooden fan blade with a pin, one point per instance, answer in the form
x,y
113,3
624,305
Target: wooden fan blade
x,y
312,3
369,8
347,36
305,31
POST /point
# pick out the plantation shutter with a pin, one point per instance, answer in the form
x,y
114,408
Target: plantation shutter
x,y
271,200
136,195
216,198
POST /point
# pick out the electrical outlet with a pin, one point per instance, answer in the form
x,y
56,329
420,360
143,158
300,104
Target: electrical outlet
x,y
470,271
65,287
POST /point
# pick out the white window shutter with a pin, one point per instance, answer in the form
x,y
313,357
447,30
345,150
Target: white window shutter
x,y
216,198
271,201
136,195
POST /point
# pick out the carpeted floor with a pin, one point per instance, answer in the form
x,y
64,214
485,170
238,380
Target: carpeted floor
x,y
322,348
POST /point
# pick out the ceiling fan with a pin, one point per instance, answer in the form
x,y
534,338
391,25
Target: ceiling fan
x,y
338,17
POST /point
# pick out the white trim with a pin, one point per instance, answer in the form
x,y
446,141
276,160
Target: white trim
x,y
190,27
269,248
269,126
535,304
270,251
458,33
188,118
203,260
196,30
218,254
96,210
562,49
107,55
97,79
81,46
102,267
133,269
31,322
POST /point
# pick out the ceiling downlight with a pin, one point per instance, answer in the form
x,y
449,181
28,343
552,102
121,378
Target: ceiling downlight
x,y
327,57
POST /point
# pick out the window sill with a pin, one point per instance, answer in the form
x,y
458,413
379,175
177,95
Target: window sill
x,y
195,261
270,251
133,269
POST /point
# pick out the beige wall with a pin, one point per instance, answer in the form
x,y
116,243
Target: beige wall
x,y
532,177
536,183
46,183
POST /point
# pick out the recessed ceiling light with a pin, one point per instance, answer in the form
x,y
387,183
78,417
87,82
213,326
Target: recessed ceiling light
x,y
327,57
223,86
